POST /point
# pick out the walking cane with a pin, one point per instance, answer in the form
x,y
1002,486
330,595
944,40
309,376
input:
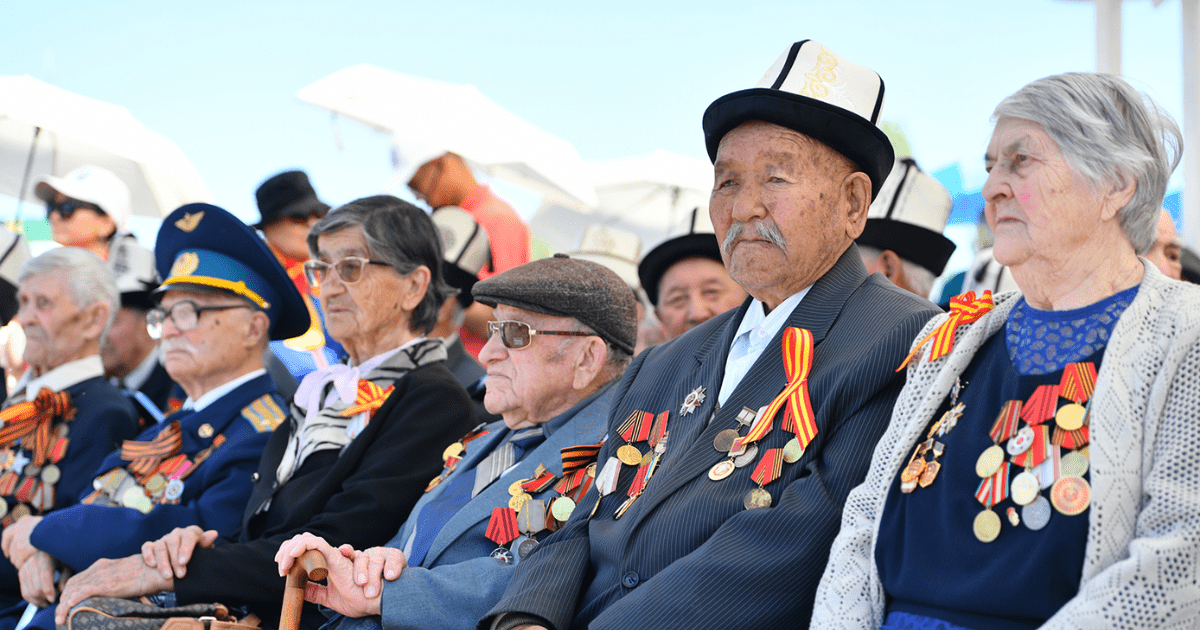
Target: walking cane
x,y
310,566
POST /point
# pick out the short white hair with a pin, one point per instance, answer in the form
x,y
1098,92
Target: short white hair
x,y
88,279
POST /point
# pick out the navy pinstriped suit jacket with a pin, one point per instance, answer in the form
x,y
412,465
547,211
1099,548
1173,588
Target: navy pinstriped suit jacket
x,y
687,554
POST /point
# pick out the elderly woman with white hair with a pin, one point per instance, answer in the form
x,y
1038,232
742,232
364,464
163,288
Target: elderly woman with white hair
x,y
1040,469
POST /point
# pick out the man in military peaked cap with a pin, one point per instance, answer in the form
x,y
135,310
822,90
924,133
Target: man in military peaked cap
x,y
771,410
225,296
565,331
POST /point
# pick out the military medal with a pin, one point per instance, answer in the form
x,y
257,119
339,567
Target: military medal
x,y
1041,405
1036,514
454,450
525,545
174,490
1020,442
502,529
933,467
1025,488
768,470
1078,381
725,439
205,431
1074,464
920,471
721,470
518,501
1013,518
1070,417
694,399
992,491
750,453
1071,495
989,461
531,518
514,488
561,508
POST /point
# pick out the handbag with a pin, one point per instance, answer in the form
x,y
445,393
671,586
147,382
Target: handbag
x,y
114,613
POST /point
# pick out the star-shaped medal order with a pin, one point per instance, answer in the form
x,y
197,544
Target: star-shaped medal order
x,y
694,399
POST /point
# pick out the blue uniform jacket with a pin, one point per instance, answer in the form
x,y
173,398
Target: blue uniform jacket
x,y
458,581
104,418
213,496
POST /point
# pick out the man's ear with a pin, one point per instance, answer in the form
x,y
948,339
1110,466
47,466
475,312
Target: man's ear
x,y
259,330
589,362
856,193
892,267
95,317
418,284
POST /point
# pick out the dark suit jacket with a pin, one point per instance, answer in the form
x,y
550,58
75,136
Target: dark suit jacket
x,y
360,497
158,387
688,554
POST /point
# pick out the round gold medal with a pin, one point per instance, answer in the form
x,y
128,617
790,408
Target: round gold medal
x,y
132,497
792,451
591,470
1071,495
1070,417
51,474
519,501
205,431
989,462
153,484
725,439
561,508
649,455
930,473
1074,464
629,455
1025,488
756,498
454,450
3,508
987,526
515,488
721,470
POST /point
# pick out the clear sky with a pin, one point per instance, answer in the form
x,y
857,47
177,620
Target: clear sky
x,y
615,78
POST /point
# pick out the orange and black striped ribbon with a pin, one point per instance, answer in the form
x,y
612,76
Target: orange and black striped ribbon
x,y
1070,440
147,455
636,427
578,457
25,418
502,527
964,309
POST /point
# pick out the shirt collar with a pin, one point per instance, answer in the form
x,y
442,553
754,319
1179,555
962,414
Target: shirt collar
x,y
762,325
140,374
217,392
65,375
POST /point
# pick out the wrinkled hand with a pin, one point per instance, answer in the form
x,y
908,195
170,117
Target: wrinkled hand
x,y
37,580
15,541
173,551
127,577
354,586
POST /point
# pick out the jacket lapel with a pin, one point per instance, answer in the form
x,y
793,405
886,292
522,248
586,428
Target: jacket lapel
x,y
586,426
766,379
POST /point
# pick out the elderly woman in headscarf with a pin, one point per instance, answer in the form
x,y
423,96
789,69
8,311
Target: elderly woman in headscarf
x,y
364,437
1040,468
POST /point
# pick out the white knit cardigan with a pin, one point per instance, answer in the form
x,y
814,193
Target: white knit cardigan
x,y
1143,547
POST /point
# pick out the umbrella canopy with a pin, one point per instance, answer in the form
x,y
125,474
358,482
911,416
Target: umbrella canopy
x,y
649,195
427,118
45,130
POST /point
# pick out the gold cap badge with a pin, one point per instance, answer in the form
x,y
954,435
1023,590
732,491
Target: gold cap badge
x,y
189,221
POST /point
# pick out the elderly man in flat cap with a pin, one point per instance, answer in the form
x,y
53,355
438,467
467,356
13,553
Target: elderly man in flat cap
x,y
223,299
565,331
723,517
903,237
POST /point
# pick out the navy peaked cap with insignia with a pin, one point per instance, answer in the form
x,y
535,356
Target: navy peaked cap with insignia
x,y
203,248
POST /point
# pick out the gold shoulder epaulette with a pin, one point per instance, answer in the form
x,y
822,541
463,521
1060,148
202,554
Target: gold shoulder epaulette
x,y
264,414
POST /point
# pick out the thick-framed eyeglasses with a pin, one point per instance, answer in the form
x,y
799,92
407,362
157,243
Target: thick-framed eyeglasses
x,y
517,335
67,207
349,269
184,315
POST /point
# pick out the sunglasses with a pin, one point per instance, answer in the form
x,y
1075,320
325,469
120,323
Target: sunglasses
x,y
517,335
349,269
67,207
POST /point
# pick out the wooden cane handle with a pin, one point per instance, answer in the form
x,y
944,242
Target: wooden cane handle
x,y
311,565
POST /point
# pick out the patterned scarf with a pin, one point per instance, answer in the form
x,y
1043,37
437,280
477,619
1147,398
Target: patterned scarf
x,y
327,428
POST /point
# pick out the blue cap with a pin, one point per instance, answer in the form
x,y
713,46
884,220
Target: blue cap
x,y
207,249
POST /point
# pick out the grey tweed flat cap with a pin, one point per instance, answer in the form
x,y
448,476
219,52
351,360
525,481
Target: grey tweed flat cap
x,y
568,287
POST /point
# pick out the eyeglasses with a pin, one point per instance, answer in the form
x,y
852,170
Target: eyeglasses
x,y
185,315
517,335
67,207
349,269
